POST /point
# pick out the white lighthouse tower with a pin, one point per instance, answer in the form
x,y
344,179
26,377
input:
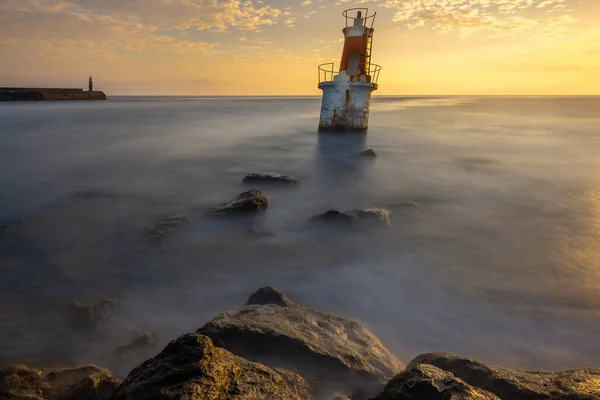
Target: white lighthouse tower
x,y
347,94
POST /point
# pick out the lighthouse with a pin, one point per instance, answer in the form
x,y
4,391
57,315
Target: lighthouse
x,y
346,99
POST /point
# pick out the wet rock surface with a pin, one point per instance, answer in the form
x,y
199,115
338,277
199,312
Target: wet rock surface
x,y
270,178
165,228
190,367
250,201
426,382
512,384
370,217
80,383
333,353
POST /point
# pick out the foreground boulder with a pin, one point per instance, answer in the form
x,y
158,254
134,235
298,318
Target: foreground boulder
x,y
191,368
518,385
271,178
426,382
80,383
335,354
371,217
163,229
247,202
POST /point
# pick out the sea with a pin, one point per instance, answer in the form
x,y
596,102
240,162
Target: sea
x,y
493,251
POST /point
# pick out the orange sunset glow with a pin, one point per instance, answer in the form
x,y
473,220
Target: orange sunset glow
x,y
230,47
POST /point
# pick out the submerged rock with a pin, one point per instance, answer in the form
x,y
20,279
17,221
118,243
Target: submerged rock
x,y
87,318
190,367
135,350
366,217
270,177
166,227
79,383
139,348
335,354
518,385
368,153
137,343
248,202
406,204
426,382
258,233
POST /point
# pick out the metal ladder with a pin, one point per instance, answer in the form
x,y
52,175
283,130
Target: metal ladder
x,y
369,45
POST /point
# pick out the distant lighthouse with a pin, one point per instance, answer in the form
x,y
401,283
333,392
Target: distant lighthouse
x,y
347,94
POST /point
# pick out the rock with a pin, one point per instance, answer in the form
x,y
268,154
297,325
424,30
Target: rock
x,y
335,354
367,217
518,385
166,227
190,367
426,382
137,349
270,177
368,153
80,383
20,382
88,317
138,345
251,201
94,387
269,295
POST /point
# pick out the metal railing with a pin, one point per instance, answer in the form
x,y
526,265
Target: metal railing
x,y
365,72
326,72
367,20
370,70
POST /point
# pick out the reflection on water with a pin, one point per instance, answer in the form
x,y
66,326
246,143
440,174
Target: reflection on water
x,y
498,261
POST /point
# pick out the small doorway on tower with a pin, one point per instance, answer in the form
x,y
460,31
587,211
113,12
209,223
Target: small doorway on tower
x,y
353,63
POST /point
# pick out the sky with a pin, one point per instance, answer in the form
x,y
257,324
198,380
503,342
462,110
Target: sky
x,y
273,47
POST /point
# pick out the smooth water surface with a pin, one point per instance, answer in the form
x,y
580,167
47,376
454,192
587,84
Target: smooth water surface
x,y
500,261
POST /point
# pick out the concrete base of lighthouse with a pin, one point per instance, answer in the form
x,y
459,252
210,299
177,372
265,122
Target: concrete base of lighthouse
x,y
346,104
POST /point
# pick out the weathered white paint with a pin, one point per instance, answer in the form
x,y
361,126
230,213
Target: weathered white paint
x,y
352,31
346,104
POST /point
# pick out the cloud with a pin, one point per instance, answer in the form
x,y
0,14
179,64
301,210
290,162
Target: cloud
x,y
111,28
75,34
500,17
160,14
306,3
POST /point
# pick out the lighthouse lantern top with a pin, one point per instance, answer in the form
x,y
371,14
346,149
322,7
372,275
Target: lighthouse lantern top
x,y
359,17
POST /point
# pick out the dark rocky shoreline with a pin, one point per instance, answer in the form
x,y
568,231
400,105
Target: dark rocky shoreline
x,y
272,348
44,94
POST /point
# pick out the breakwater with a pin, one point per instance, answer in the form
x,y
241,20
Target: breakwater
x,y
39,94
